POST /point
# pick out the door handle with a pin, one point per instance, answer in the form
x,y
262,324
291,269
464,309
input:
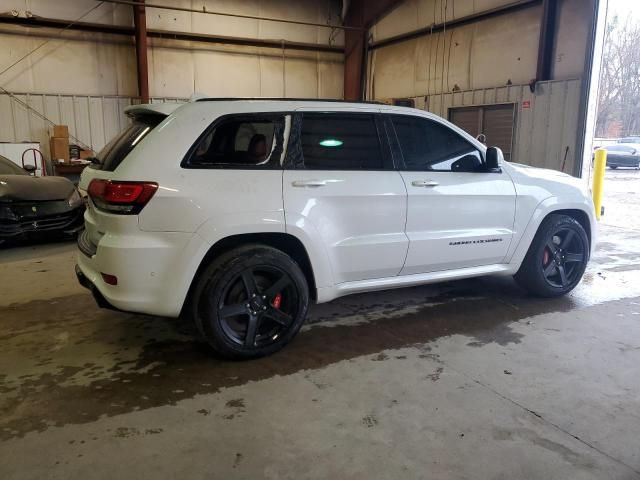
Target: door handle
x,y
309,183
424,183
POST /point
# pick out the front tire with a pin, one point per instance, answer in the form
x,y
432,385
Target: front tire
x,y
250,302
557,257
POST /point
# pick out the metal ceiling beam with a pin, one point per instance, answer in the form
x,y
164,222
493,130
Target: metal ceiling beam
x,y
235,15
459,22
36,22
249,42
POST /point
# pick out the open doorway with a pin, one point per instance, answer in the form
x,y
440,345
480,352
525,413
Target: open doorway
x,y
617,118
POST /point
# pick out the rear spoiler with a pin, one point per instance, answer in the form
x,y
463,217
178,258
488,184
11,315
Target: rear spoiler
x,y
162,109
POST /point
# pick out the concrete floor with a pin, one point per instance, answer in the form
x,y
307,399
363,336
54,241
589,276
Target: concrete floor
x,y
468,379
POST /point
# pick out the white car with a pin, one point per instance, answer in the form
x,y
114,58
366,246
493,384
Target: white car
x,y
241,212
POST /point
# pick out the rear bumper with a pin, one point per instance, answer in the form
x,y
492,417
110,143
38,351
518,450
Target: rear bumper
x,y
153,270
99,298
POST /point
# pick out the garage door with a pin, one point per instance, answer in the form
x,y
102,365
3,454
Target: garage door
x,y
496,122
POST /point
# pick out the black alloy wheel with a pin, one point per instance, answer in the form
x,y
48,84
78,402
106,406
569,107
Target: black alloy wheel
x,y
250,301
562,258
557,257
257,306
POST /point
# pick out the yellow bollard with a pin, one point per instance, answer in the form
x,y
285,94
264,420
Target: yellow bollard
x,y
599,164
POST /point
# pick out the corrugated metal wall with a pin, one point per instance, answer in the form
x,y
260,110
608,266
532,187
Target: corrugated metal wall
x,y
90,63
546,121
545,130
92,120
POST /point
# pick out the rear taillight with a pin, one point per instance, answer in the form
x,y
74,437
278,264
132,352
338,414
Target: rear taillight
x,y
121,197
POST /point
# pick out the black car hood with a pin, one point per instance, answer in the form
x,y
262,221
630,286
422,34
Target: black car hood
x,y
25,188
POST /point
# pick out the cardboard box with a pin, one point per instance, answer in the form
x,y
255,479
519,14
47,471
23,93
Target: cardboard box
x,y
59,149
60,131
84,154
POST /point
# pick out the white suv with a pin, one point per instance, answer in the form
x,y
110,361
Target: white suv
x,y
240,212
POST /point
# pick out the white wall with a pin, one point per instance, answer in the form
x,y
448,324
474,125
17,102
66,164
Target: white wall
x,y
101,64
487,62
84,80
489,53
92,120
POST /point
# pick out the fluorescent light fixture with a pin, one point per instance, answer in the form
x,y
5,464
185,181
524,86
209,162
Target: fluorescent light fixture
x,y
331,142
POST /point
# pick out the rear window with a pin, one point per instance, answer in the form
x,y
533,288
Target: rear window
x,y
117,149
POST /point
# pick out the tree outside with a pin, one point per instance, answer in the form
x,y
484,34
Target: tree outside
x,y
619,96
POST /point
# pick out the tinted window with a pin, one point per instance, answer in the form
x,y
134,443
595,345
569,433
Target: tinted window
x,y
117,149
7,167
340,141
248,141
429,145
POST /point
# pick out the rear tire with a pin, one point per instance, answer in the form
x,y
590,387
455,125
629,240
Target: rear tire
x,y
557,257
250,302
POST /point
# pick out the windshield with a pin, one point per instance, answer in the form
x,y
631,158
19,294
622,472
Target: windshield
x,y
7,167
117,149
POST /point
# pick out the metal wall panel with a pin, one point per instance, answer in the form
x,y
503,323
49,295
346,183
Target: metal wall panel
x,y
475,55
92,120
546,125
92,63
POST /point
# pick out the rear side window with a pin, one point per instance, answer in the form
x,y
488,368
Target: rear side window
x,y
429,145
340,141
117,149
239,141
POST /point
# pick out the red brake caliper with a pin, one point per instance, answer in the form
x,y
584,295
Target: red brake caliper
x,y
277,300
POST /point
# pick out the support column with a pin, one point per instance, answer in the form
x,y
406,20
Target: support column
x,y
362,14
547,39
140,23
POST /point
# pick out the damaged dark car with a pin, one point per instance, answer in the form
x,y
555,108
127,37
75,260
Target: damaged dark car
x,y
37,207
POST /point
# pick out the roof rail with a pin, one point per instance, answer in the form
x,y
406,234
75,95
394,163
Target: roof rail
x,y
279,99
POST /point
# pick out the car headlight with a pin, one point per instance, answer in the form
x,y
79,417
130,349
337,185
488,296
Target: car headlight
x,y
74,199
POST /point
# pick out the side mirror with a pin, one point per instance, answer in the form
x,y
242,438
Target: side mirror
x,y
494,158
30,168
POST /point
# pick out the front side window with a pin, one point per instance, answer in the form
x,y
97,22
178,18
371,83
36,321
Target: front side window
x,y
427,145
340,141
251,141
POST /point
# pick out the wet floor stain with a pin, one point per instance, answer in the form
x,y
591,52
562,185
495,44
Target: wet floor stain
x,y
238,460
131,362
435,376
369,421
235,408
381,357
126,432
